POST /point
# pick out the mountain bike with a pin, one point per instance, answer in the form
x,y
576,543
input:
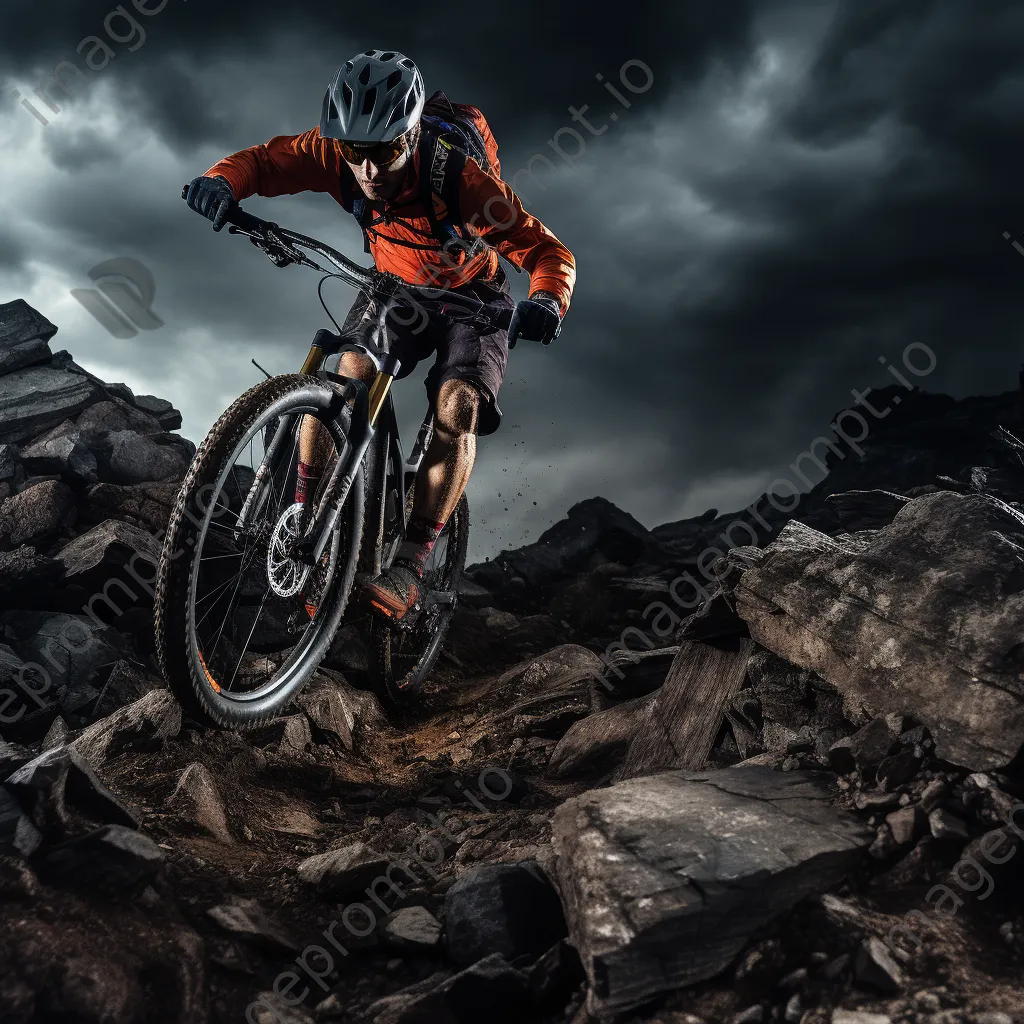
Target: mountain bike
x,y
252,586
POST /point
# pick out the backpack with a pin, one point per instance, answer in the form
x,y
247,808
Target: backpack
x,y
450,134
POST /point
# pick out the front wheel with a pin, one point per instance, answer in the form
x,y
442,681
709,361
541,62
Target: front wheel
x,y
402,659
241,624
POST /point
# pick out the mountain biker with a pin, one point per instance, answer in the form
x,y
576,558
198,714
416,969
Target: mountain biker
x,y
372,154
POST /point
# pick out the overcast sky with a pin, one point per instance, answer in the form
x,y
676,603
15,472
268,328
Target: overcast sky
x,y
805,187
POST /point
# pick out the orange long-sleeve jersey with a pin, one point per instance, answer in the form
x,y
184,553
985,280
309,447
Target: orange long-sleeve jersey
x,y
289,164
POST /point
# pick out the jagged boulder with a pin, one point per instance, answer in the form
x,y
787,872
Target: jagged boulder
x,y
66,455
143,725
36,398
36,515
925,616
99,555
125,457
61,653
24,336
509,909
664,878
160,409
25,572
594,532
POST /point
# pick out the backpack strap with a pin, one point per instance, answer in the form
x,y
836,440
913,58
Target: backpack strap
x,y
441,166
364,217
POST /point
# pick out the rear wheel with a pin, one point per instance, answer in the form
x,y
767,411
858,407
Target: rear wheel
x,y
402,659
241,622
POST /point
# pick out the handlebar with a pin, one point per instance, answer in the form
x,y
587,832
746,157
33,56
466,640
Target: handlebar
x,y
283,248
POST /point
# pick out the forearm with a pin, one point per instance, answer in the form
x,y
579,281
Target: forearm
x,y
497,216
285,165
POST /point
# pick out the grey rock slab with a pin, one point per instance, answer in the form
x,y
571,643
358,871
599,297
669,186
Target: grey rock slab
x,y
20,323
94,557
109,858
57,735
68,456
490,990
344,870
327,712
12,757
36,398
510,909
9,456
267,1008
152,405
130,458
26,354
412,928
17,833
112,414
923,618
59,650
872,744
246,919
907,824
296,736
58,787
197,799
875,967
37,514
859,1017
24,568
946,825
143,725
664,878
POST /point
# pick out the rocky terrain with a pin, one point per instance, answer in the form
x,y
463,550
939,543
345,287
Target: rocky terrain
x,y
744,768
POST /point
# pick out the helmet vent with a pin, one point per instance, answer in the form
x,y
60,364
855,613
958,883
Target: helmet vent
x,y
406,63
369,53
348,66
364,75
393,79
390,55
346,92
369,98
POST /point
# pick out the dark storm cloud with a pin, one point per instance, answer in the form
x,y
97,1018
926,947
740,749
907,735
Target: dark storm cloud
x,y
524,64
806,187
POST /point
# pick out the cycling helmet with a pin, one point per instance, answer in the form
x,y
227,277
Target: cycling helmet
x,y
375,97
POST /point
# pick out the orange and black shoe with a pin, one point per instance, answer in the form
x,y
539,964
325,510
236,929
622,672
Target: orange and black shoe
x,y
395,592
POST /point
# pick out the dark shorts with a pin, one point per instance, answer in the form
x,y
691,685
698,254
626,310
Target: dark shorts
x,y
462,352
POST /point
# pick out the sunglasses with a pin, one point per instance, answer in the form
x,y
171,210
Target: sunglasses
x,y
380,154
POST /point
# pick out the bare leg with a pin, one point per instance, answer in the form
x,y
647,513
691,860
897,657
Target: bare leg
x,y
440,481
448,461
315,445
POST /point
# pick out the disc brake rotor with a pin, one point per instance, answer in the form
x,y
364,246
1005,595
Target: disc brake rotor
x,y
285,573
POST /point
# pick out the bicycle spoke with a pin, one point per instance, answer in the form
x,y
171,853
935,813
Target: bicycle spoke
x,y
245,647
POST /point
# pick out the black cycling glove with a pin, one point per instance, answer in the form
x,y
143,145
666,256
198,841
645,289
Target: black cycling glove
x,y
536,319
212,197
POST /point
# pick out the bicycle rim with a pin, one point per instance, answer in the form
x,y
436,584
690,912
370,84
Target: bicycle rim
x,y
254,616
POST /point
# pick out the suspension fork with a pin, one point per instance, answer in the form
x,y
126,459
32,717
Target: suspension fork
x,y
257,490
366,411
314,358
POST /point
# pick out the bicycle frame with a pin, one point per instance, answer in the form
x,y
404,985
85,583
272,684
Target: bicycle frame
x,y
366,405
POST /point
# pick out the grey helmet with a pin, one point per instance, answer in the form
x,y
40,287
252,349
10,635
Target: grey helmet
x,y
375,97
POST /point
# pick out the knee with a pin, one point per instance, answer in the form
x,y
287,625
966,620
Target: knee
x,y
355,364
457,408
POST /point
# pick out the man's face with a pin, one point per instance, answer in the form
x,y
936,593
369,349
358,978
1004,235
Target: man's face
x,y
380,176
